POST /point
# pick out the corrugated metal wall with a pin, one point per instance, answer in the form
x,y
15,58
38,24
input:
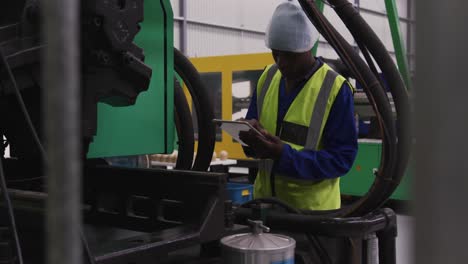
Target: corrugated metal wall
x,y
225,27
222,27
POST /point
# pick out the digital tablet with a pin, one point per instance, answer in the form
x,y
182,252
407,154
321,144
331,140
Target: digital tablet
x,y
234,127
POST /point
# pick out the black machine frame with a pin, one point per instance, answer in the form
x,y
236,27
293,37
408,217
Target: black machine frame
x,y
133,221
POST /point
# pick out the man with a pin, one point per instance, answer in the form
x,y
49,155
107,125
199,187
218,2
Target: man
x,y
305,112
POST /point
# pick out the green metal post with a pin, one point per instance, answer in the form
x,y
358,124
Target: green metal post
x,y
394,21
320,5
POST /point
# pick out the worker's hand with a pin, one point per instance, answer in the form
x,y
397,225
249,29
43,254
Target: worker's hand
x,y
269,147
254,123
266,145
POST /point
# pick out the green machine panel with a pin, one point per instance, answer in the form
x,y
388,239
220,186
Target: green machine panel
x,y
361,176
148,126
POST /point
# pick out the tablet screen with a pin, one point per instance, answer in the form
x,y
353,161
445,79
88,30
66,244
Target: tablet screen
x,y
234,127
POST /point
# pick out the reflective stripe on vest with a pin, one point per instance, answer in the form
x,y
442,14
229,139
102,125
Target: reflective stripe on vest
x,y
315,125
271,72
313,133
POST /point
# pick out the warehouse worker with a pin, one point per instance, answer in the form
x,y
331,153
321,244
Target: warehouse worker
x,y
305,112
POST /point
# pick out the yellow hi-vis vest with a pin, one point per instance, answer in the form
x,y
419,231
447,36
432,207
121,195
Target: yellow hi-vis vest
x,y
301,128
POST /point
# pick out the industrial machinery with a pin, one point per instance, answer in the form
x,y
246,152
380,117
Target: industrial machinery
x,y
138,215
234,77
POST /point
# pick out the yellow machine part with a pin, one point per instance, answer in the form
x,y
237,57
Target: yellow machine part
x,y
227,65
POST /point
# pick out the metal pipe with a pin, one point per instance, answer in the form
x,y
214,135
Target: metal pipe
x,y
409,14
372,249
184,27
408,33
357,5
387,244
61,85
441,128
410,36
320,6
204,23
383,14
397,38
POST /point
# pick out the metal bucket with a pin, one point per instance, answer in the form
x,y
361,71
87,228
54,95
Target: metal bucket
x,y
258,247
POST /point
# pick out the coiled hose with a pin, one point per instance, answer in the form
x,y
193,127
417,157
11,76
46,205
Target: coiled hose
x,y
203,106
368,39
395,151
396,137
184,127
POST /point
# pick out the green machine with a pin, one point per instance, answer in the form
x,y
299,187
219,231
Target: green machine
x,y
360,178
148,126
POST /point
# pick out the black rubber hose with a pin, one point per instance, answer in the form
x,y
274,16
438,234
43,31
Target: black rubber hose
x,y
370,63
360,70
203,107
385,184
396,84
272,200
184,127
322,225
365,35
375,92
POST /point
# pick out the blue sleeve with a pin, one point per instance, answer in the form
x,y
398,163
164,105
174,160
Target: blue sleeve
x,y
252,112
340,145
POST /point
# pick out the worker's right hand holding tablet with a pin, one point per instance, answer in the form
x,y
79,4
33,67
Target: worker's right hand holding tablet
x,y
264,146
